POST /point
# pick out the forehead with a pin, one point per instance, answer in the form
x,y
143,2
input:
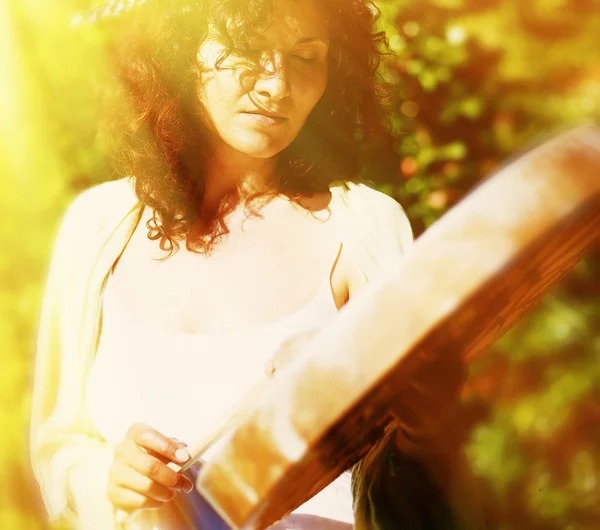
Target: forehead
x,y
294,20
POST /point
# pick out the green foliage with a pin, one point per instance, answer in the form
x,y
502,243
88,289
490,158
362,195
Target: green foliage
x,y
477,83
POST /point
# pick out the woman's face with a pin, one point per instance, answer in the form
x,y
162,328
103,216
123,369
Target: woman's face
x,y
258,104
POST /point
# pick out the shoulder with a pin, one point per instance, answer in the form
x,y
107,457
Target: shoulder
x,y
101,198
92,215
87,224
379,218
94,207
365,193
374,227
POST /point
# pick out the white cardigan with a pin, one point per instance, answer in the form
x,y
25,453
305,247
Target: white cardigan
x,y
70,459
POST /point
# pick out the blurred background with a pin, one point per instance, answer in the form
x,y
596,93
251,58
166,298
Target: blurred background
x,y
478,81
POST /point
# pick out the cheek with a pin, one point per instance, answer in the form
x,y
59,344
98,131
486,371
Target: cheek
x,y
219,88
219,92
309,91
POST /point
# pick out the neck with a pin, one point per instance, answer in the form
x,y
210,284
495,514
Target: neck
x,y
227,169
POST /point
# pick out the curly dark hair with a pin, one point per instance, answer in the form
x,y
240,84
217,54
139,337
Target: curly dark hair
x,y
158,138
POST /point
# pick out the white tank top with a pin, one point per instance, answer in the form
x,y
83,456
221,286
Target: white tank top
x,y
183,384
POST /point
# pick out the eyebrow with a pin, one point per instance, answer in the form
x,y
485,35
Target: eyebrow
x,y
310,40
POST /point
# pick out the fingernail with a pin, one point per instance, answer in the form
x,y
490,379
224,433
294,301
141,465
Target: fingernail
x,y
182,455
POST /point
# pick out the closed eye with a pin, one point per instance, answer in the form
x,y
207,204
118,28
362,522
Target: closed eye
x,y
305,59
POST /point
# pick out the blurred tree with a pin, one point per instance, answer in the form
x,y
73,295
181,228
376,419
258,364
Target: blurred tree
x,y
477,83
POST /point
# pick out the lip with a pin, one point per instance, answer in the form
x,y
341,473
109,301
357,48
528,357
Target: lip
x,y
265,119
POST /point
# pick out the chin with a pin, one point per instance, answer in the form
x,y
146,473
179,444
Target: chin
x,y
263,147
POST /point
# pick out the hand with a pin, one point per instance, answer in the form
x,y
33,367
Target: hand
x,y
139,476
429,405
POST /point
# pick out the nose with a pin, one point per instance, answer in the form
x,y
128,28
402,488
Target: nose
x,y
273,82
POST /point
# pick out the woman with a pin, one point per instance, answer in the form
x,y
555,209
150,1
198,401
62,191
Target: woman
x,y
251,125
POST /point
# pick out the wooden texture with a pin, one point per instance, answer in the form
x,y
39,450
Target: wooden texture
x,y
469,278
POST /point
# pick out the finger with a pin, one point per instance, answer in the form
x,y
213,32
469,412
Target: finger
x,y
164,459
130,478
148,438
158,471
129,500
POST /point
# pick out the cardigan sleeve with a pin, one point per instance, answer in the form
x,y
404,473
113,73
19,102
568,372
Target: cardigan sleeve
x,y
375,227
62,439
